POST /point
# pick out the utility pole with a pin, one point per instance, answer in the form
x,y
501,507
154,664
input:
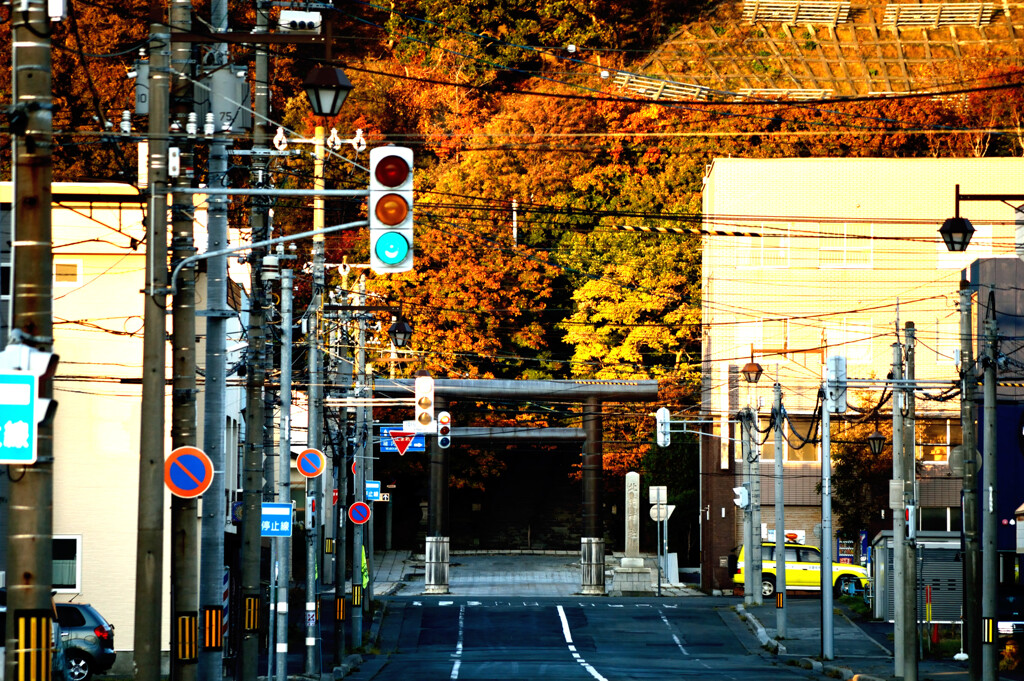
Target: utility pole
x,y
29,542
909,547
969,489
314,395
756,556
780,516
184,511
258,435
150,542
364,433
211,580
827,616
989,573
284,466
748,533
342,444
899,526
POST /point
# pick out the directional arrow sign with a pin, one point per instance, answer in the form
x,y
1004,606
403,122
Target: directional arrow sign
x,y
402,440
661,512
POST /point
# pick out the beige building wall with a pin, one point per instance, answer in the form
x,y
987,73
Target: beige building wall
x,y
833,256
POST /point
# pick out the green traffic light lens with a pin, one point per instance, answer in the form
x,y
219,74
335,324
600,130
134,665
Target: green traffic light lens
x,y
391,248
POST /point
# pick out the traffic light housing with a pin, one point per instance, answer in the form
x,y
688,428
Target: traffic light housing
x,y
390,210
663,417
742,496
444,430
40,363
424,395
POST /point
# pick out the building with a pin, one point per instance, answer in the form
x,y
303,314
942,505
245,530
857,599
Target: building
x,y
99,262
812,257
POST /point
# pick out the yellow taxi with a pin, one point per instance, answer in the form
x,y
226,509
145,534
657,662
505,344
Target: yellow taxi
x,y
803,571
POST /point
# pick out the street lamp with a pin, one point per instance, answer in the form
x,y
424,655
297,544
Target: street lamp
x,y
875,443
400,331
956,232
327,87
751,371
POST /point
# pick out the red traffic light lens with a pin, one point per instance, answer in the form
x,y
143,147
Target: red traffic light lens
x,y
391,209
444,430
391,171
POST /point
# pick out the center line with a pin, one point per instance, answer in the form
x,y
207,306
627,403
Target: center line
x,y
674,637
458,645
572,649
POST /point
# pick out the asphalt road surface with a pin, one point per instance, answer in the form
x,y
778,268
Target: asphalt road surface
x,y
578,639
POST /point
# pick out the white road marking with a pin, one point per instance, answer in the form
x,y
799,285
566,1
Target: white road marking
x,y
674,637
572,649
458,645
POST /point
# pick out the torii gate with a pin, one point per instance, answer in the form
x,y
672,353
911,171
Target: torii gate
x,y
592,394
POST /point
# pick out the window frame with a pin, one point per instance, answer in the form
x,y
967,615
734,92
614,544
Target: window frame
x,y
77,587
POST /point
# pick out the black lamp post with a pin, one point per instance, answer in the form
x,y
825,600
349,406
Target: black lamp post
x,y
751,371
875,442
327,87
400,332
956,233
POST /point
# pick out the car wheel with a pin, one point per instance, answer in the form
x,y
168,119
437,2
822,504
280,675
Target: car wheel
x,y
767,586
79,666
846,585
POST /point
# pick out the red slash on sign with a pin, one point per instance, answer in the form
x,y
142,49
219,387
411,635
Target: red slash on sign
x,y
402,440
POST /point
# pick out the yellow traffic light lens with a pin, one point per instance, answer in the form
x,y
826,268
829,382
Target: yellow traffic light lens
x,y
424,402
423,418
391,209
391,171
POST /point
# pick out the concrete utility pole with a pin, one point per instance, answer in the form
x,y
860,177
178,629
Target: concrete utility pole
x,y
29,541
314,394
909,547
592,549
989,573
827,616
184,512
780,515
211,579
364,434
258,433
969,489
284,469
757,556
150,543
899,525
748,526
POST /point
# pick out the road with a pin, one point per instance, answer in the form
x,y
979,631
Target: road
x,y
575,639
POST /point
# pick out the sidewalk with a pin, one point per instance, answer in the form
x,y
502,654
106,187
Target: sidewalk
x,y
858,653
500,573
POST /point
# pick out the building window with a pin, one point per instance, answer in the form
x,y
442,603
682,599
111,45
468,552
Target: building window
x,y
769,249
935,438
940,519
5,281
67,272
67,564
846,244
851,338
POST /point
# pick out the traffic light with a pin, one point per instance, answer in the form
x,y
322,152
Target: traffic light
x,y
425,404
742,496
444,430
662,416
390,209
40,363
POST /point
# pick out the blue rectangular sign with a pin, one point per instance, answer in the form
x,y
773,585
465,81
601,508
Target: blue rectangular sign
x,y
373,490
418,443
276,520
18,391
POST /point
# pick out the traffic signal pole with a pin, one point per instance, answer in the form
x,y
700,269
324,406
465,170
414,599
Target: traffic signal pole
x,y
780,516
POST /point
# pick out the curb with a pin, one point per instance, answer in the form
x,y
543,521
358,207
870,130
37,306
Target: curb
x,y
759,630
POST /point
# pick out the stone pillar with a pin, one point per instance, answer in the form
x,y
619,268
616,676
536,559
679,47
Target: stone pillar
x,y
632,558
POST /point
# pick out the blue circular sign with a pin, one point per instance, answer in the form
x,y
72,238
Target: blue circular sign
x,y
359,512
188,472
391,248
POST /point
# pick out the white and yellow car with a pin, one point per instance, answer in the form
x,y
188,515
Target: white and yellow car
x,y
803,571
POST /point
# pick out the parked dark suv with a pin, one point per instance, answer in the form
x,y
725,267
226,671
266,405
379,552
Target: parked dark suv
x,y
88,641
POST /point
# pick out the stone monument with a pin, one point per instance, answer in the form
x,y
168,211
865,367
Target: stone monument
x,y
631,578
